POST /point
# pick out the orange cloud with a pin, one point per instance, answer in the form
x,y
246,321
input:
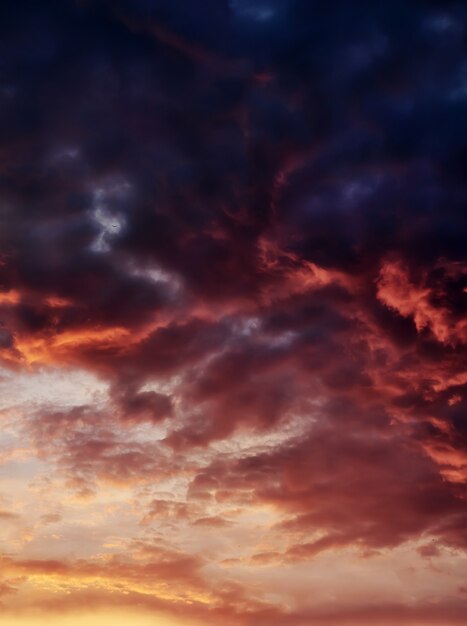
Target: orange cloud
x,y
397,291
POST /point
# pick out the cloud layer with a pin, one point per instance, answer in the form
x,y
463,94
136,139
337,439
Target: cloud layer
x,y
232,297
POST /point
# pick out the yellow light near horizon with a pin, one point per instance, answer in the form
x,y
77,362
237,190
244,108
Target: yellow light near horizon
x,y
110,617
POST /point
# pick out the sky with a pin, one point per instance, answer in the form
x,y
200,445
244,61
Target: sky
x,y
232,295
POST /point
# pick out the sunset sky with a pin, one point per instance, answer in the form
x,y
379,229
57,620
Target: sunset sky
x,y
233,377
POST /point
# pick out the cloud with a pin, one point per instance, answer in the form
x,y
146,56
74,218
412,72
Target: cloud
x,y
246,221
396,291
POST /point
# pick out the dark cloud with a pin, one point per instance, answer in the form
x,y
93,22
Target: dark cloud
x,y
370,490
